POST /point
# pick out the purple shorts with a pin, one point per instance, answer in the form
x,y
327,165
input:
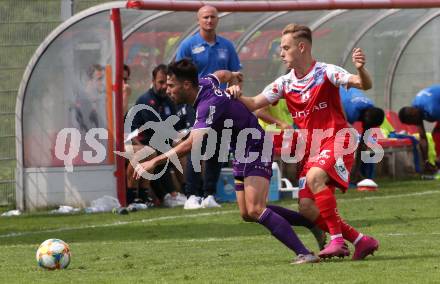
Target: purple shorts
x,y
256,168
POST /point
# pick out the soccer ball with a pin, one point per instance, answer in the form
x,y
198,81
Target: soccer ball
x,y
53,254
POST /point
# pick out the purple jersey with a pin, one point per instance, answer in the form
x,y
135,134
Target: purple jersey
x,y
213,107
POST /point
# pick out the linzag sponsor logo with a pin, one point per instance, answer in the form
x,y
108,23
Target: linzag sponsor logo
x,y
318,107
67,146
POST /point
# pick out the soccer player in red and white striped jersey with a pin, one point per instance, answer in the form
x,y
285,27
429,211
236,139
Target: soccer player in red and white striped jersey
x,y
311,90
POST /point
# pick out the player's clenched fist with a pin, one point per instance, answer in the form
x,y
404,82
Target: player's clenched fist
x,y
358,58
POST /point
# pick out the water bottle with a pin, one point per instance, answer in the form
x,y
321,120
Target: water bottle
x,y
275,183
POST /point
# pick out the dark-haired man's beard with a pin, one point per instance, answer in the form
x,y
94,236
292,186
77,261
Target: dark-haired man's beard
x,y
161,93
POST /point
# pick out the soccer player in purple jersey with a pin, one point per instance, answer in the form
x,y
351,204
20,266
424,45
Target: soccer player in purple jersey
x,y
216,110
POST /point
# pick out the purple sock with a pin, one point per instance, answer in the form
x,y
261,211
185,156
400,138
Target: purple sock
x,y
282,230
294,218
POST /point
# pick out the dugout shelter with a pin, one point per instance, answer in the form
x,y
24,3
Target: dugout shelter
x,y
401,40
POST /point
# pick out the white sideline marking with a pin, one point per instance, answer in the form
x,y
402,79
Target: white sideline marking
x,y
225,239
26,233
391,196
251,238
119,223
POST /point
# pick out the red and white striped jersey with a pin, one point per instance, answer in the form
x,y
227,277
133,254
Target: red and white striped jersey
x,y
313,100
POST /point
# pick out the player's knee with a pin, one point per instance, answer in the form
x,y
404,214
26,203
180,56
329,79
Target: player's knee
x,y
255,212
312,181
316,179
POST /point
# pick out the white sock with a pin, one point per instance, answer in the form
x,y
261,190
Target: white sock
x,y
358,239
332,237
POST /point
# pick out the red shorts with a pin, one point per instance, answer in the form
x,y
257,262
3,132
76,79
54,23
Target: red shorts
x,y
278,144
337,167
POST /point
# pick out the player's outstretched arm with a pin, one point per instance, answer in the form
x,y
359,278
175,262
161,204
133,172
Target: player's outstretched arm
x,y
363,79
254,103
180,150
225,76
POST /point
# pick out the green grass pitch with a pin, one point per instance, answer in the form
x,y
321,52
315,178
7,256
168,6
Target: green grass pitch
x,y
215,246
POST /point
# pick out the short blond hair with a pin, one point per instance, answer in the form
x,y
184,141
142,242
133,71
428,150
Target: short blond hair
x,y
298,31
